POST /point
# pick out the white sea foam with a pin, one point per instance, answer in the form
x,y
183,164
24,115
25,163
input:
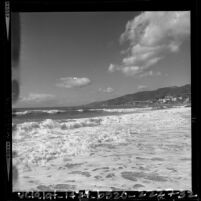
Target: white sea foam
x,y
61,138
53,111
80,110
22,113
39,111
122,110
148,141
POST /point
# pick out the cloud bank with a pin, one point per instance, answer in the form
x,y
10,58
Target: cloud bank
x,y
141,87
37,97
151,35
71,82
150,73
107,90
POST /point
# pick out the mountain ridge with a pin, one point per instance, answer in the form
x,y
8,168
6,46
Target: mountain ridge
x,y
166,95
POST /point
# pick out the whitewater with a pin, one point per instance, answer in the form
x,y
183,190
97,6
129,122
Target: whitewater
x,y
146,150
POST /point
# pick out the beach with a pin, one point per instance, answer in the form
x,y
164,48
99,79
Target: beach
x,y
132,150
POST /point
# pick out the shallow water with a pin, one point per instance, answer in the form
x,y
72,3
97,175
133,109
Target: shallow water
x,y
150,150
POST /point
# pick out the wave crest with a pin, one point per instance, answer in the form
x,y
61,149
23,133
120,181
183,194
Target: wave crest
x,y
26,112
40,143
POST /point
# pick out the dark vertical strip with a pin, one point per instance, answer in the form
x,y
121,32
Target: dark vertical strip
x,y
15,53
15,57
15,39
195,65
6,97
2,110
8,106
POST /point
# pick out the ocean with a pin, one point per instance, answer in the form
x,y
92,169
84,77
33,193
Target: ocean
x,y
38,114
102,149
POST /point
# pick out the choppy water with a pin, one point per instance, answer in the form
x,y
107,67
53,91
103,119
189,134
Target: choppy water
x,y
39,114
149,150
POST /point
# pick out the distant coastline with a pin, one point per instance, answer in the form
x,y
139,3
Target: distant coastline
x,y
162,97
167,97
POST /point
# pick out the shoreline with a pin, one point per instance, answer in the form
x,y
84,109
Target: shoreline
x,y
105,112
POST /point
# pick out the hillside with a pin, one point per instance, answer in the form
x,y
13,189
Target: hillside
x,y
162,96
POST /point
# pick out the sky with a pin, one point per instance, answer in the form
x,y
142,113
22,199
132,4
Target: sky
x,y
75,58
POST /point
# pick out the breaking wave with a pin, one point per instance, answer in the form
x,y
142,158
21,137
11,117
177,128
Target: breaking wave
x,y
122,110
71,112
38,143
51,142
38,111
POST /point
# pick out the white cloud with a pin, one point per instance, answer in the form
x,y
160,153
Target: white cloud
x,y
111,68
151,35
37,97
130,70
107,90
127,70
71,82
141,87
150,73
157,28
151,62
138,58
